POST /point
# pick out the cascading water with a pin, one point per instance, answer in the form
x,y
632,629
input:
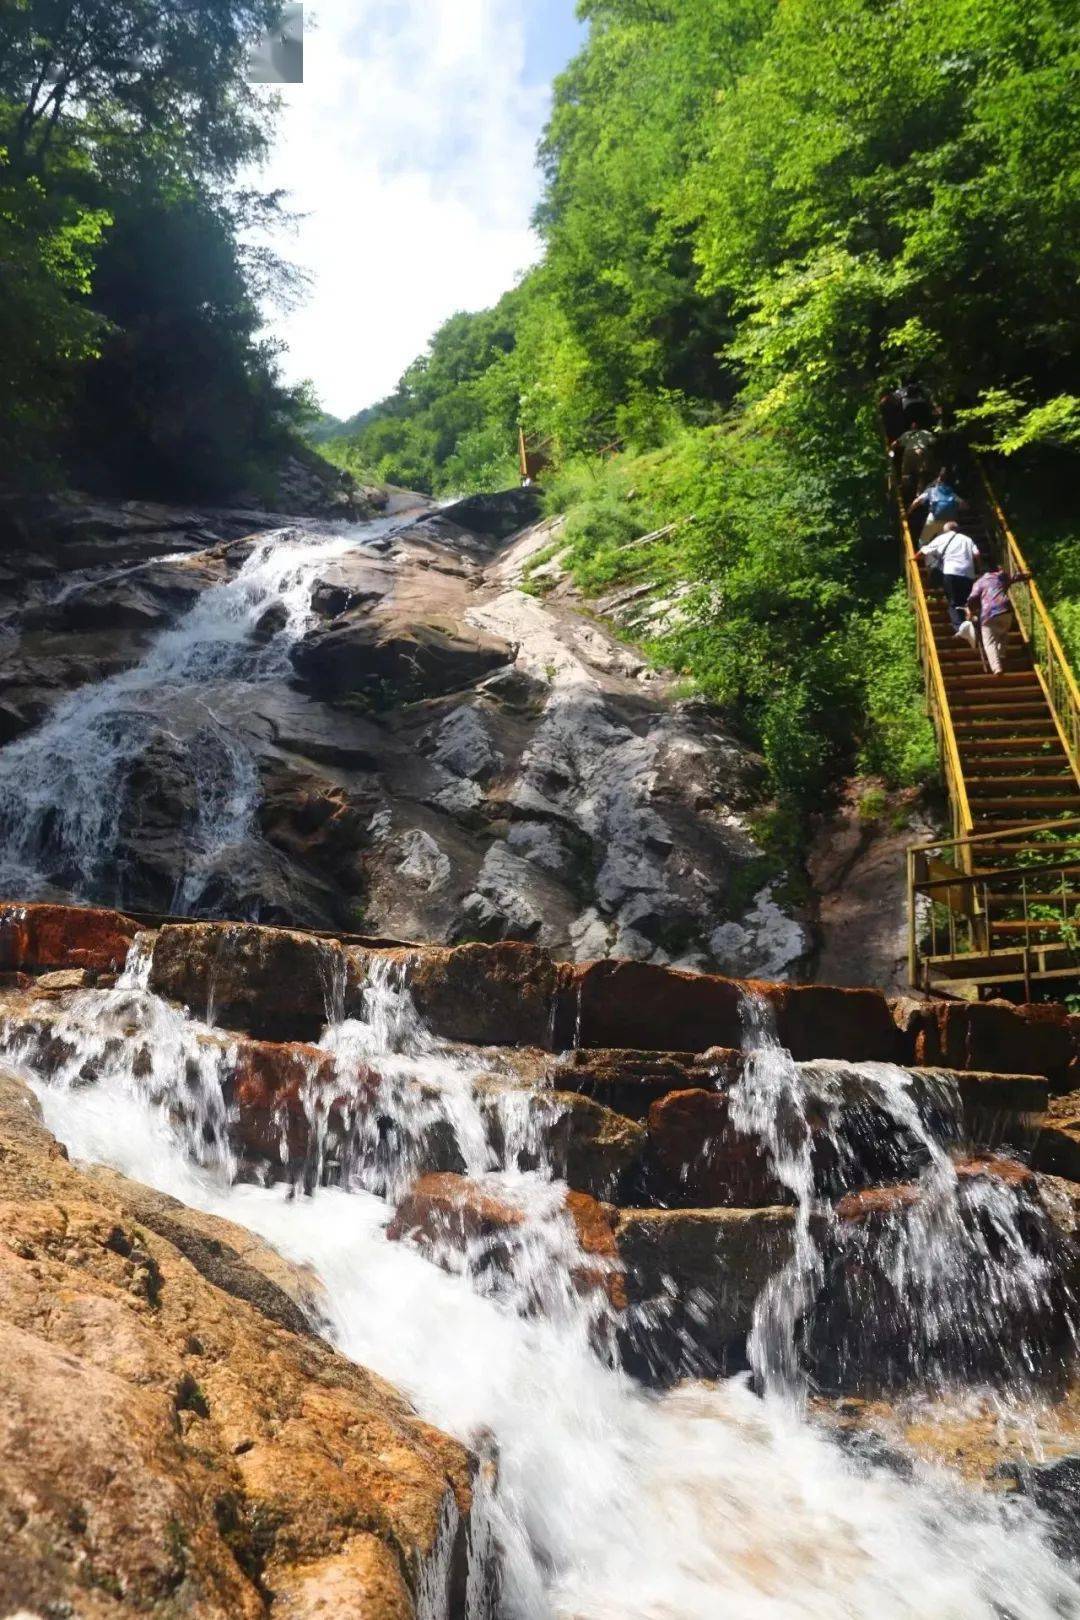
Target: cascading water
x,y
611,1503
64,787
949,1280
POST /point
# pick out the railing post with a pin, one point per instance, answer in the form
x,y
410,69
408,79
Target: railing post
x,y
913,921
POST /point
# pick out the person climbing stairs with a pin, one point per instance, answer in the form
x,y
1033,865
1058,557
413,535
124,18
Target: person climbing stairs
x,y
1006,887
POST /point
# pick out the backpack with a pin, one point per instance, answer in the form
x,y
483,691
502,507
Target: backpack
x,y
944,502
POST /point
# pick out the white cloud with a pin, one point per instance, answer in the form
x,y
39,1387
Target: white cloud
x,y
410,148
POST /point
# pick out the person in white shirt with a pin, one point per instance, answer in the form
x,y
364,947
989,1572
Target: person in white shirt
x,y
956,556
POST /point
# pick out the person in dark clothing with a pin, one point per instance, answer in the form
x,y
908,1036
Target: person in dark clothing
x,y
908,403
917,452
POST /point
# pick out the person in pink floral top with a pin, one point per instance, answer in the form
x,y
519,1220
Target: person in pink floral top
x,y
990,609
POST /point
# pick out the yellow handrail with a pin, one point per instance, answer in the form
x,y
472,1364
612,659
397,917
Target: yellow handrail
x,y
1051,663
937,698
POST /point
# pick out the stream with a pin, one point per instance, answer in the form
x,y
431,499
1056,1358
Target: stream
x,y
712,1499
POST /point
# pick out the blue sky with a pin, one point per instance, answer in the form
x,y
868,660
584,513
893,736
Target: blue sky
x,y
409,150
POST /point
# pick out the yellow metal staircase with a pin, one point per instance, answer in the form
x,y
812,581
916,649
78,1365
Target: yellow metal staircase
x,y
995,908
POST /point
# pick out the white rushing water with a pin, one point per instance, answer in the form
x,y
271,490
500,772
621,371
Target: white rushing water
x,y
63,786
705,1503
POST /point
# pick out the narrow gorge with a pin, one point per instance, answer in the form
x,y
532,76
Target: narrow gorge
x,y
481,1222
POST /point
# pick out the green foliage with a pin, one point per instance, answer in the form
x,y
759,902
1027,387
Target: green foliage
x,y
898,741
47,245
128,274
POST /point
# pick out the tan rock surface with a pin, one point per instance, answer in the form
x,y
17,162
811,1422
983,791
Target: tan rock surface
x,y
171,1447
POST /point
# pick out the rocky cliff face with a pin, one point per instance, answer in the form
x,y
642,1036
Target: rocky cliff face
x,y
406,743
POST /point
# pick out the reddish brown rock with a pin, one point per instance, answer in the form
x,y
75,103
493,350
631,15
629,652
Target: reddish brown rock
x,y
878,1203
452,1211
489,995
275,1087
638,1005
989,1035
696,1157
39,937
820,1020
273,983
630,1082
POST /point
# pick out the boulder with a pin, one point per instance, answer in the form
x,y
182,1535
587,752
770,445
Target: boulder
x,y
491,995
498,515
591,1148
1056,1150
639,1004
630,1082
171,1445
693,1277
47,936
926,1284
274,1090
394,661
697,1158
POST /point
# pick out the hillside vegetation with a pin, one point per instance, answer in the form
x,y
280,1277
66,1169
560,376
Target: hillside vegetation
x,y
755,214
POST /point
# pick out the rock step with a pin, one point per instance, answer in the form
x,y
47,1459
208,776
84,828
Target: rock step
x,y
681,1285
282,984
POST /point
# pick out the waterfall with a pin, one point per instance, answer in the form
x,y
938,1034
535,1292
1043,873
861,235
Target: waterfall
x,y
610,1502
948,1282
66,786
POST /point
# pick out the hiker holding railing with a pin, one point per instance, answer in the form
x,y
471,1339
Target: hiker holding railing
x,y
990,610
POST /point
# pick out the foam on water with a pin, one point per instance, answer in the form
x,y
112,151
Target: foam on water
x,y
611,1503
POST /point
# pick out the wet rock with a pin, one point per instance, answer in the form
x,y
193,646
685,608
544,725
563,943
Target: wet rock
x,y
46,936
488,995
453,1218
638,1004
693,1278
590,1147
274,983
630,1082
275,1089
989,1035
1056,1149
244,1461
498,515
696,1156
936,1281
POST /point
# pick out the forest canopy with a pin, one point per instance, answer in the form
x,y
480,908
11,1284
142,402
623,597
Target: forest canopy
x,y
129,347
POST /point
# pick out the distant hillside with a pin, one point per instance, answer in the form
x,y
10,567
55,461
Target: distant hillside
x,y
327,427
